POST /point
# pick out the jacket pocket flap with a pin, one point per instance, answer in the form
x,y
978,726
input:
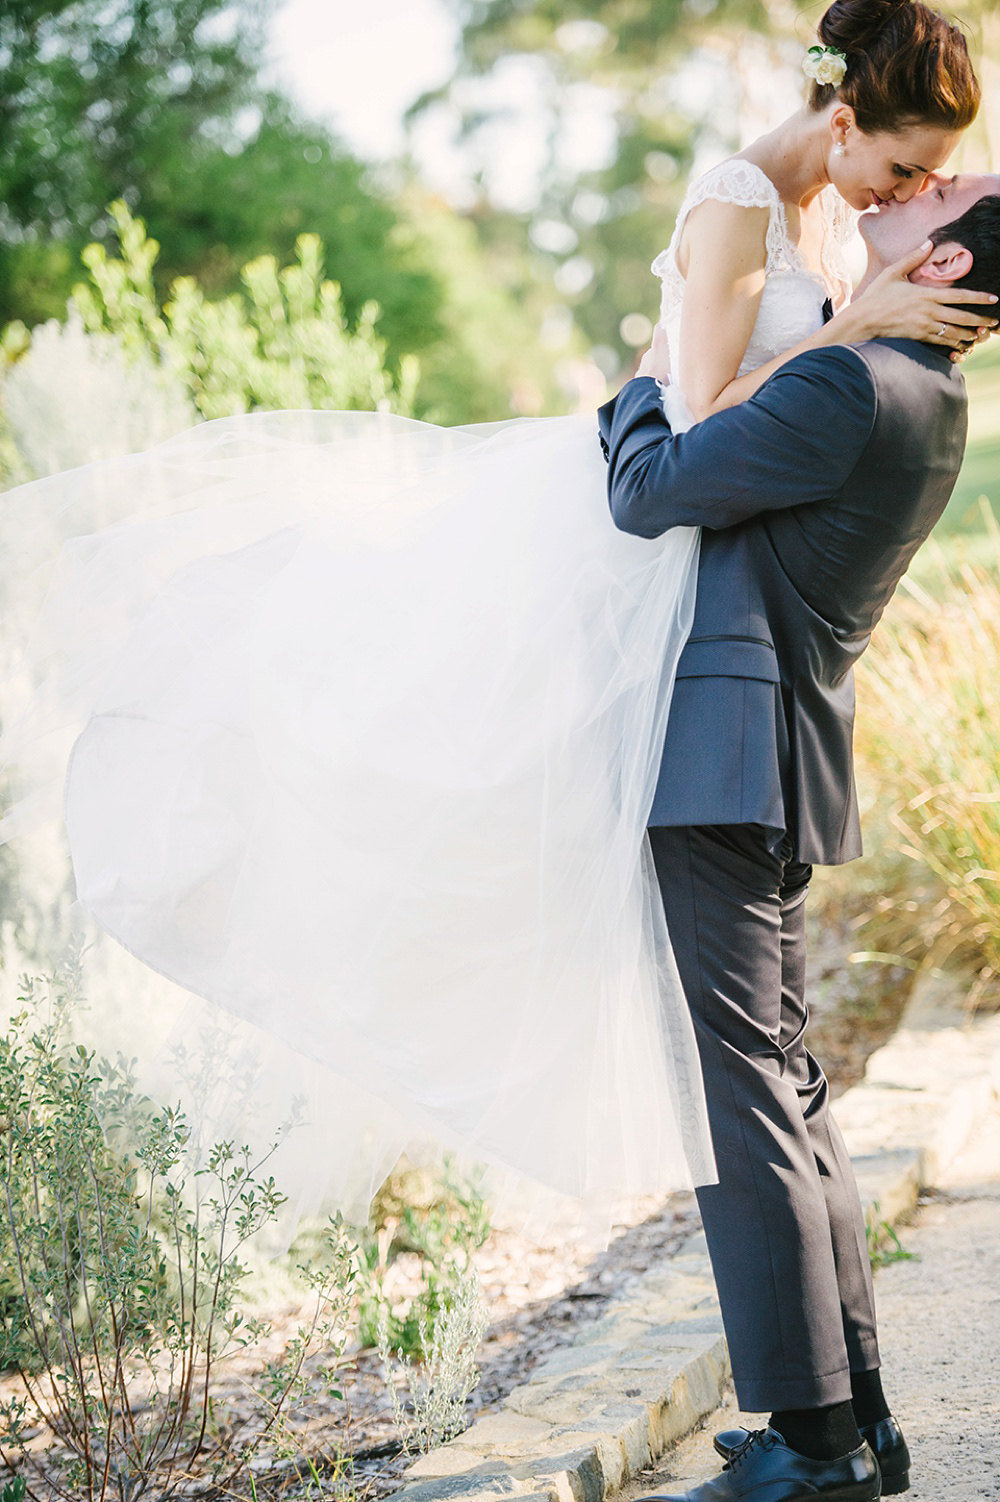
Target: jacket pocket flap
x,y
728,657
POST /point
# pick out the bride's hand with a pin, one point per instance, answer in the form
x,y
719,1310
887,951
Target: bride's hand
x,y
895,308
656,361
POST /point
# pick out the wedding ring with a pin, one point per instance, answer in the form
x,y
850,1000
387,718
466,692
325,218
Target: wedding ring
x,y
941,330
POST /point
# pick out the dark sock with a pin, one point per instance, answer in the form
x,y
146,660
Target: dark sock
x,y
867,1398
819,1433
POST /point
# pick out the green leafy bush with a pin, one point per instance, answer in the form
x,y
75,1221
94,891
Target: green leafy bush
x,y
121,1282
284,344
123,372
442,1219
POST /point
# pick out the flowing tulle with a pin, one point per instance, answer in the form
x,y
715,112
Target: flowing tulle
x,y
353,723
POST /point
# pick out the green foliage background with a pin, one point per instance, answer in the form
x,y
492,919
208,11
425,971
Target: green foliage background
x,y
160,106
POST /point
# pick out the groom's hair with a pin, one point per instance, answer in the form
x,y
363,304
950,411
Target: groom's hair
x,y
978,229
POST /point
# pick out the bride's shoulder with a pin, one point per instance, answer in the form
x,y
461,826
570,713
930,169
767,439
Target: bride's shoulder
x,y
735,181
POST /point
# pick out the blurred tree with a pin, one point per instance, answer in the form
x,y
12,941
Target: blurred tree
x,y
983,18
601,229
97,99
158,105
616,37
490,361
221,208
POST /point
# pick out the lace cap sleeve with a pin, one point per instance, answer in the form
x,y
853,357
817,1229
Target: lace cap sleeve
x,y
734,181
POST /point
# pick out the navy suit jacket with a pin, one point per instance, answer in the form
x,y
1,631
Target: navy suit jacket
x,y
814,496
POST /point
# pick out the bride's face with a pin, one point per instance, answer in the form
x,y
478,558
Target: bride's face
x,y
887,167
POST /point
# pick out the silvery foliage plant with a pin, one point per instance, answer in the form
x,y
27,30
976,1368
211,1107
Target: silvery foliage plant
x,y
75,397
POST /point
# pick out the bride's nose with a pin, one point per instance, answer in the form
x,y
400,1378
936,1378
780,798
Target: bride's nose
x,y
928,184
904,191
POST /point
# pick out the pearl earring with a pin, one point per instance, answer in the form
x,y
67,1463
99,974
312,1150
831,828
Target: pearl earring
x,y
840,149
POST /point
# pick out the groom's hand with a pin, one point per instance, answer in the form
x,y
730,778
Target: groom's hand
x,y
656,361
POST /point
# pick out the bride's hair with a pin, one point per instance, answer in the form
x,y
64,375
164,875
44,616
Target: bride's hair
x,y
906,65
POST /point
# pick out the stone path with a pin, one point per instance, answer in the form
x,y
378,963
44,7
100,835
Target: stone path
x,y
939,1319
594,1417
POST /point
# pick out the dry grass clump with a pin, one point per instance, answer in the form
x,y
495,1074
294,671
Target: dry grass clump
x,y
929,749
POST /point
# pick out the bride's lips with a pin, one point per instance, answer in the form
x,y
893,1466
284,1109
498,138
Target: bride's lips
x,y
880,203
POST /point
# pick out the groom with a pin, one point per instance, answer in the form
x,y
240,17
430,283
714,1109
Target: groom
x,y
814,496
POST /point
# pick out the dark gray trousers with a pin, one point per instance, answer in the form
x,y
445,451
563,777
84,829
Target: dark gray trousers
x,y
784,1225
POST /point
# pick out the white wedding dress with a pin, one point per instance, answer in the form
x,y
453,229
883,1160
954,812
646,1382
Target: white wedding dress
x,y
362,719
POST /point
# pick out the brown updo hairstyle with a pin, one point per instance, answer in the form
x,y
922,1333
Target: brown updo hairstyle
x,y
906,65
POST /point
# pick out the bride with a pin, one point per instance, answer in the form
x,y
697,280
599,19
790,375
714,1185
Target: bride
x,y
353,723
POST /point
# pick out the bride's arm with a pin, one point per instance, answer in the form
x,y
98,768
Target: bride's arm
x,y
722,257
721,302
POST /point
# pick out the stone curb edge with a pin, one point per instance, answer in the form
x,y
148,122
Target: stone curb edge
x,y
602,1409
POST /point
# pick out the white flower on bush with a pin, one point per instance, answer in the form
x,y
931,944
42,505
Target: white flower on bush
x,y
825,64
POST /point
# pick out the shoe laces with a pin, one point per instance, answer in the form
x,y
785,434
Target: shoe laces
x,y
757,1439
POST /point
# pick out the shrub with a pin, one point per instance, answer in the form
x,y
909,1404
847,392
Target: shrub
x,y
75,397
439,1392
120,1283
440,1218
285,344
122,372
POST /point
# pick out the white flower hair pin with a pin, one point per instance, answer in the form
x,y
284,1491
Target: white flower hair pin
x,y
825,65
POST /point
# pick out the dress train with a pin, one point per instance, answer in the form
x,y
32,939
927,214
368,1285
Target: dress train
x,y
353,725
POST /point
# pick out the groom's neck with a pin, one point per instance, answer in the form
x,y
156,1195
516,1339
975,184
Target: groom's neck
x,y
872,270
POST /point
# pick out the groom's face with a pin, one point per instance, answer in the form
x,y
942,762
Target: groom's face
x,y
897,228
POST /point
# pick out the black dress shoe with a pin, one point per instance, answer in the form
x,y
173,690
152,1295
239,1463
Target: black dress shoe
x,y
764,1469
885,1438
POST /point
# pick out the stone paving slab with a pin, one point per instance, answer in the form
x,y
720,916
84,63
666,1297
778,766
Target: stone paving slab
x,y
602,1409
921,1096
939,1333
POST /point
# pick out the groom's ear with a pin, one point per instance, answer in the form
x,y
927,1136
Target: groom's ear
x,y
947,263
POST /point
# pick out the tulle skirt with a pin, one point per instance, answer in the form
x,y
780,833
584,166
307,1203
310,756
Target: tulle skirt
x,y
352,724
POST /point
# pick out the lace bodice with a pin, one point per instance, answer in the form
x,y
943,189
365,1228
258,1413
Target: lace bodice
x,y
791,306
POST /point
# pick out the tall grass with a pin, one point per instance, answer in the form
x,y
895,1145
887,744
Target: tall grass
x,y
929,753
980,474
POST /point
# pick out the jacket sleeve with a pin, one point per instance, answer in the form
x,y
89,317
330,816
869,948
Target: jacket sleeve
x,y
795,441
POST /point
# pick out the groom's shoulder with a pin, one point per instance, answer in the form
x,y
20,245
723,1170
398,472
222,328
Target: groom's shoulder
x,y
836,378
916,379
833,363
895,373
911,393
